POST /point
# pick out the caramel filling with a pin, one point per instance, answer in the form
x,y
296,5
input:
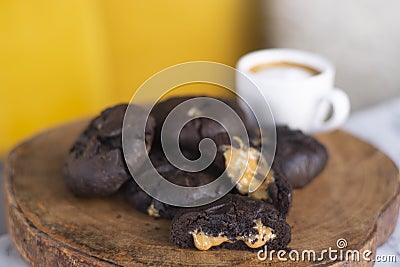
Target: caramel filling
x,y
152,211
245,164
258,240
203,241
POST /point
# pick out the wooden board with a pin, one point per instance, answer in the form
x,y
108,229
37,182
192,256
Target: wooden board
x,y
356,198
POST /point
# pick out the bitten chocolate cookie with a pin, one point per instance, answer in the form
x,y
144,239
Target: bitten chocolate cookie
x,y
300,157
146,204
95,164
233,222
246,163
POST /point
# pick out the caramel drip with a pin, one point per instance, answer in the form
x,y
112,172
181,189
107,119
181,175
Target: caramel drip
x,y
203,241
245,164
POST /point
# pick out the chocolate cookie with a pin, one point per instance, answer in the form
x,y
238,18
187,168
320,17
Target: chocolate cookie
x,y
233,222
95,164
146,204
300,157
198,128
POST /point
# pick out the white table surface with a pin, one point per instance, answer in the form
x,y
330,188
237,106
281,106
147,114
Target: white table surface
x,y
379,125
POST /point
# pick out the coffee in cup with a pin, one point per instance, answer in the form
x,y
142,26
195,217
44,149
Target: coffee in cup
x,y
299,87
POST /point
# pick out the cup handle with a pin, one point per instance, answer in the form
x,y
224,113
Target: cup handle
x,y
340,103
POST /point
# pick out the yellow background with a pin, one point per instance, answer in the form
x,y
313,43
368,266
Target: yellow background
x,y
60,60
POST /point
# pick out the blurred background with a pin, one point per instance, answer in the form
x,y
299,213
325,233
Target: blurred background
x,y
61,60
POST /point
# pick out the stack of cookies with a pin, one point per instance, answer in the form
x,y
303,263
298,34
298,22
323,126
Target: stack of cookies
x,y
242,219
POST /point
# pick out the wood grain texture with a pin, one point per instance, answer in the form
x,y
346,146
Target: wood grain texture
x,y
356,198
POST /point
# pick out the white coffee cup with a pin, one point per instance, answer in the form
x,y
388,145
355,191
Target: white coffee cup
x,y
299,87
